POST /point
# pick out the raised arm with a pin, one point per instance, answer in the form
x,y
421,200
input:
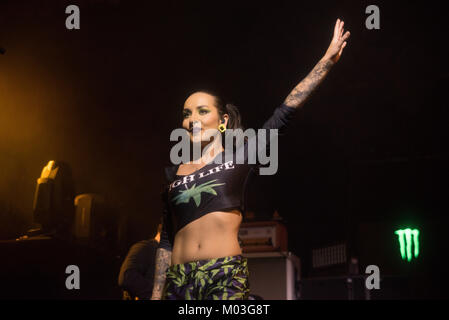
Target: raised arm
x,y
163,260
307,86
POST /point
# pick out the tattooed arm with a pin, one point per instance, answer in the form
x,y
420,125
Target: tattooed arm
x,y
163,261
304,89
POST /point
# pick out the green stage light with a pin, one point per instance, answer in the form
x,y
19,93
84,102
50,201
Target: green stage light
x,y
408,238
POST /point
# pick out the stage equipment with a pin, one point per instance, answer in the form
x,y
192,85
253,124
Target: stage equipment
x,y
53,200
274,275
263,236
89,218
354,288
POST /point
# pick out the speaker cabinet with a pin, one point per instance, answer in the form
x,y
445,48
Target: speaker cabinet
x,y
274,275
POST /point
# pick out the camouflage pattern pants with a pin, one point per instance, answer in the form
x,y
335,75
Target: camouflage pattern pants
x,y
217,279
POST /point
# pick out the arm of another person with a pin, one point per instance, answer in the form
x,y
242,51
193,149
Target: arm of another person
x,y
299,95
163,260
163,252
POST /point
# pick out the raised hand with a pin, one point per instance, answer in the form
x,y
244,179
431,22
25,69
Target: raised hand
x,y
299,95
338,42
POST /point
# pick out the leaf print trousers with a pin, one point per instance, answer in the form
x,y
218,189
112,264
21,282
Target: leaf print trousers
x,y
216,279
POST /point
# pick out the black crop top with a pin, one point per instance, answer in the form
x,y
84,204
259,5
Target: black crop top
x,y
214,187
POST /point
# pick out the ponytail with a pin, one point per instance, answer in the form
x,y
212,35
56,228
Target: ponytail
x,y
235,120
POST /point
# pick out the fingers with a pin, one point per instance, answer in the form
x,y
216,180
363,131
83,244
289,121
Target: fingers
x,y
346,36
337,28
339,32
341,29
342,47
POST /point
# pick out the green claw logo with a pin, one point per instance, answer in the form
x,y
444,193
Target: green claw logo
x,y
405,242
195,192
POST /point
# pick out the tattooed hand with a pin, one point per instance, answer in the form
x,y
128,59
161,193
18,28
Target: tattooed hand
x,y
338,42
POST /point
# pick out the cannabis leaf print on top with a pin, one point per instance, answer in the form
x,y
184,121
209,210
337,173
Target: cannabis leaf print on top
x,y
195,192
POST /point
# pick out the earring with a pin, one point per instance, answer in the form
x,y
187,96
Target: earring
x,y
222,128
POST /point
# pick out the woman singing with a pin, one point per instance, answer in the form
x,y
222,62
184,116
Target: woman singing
x,y
199,256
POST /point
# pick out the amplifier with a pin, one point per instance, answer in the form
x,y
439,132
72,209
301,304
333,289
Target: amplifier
x,y
263,236
274,275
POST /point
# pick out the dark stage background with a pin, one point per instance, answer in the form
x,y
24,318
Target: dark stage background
x,y
365,156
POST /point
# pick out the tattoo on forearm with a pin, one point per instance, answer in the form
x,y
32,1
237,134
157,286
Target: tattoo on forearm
x,y
163,260
304,89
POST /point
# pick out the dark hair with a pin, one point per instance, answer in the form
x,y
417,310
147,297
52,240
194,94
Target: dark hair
x,y
235,120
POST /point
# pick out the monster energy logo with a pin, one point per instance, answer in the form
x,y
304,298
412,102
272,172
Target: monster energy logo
x,y
405,242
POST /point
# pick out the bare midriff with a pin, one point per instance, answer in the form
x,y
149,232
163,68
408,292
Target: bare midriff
x,y
214,235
